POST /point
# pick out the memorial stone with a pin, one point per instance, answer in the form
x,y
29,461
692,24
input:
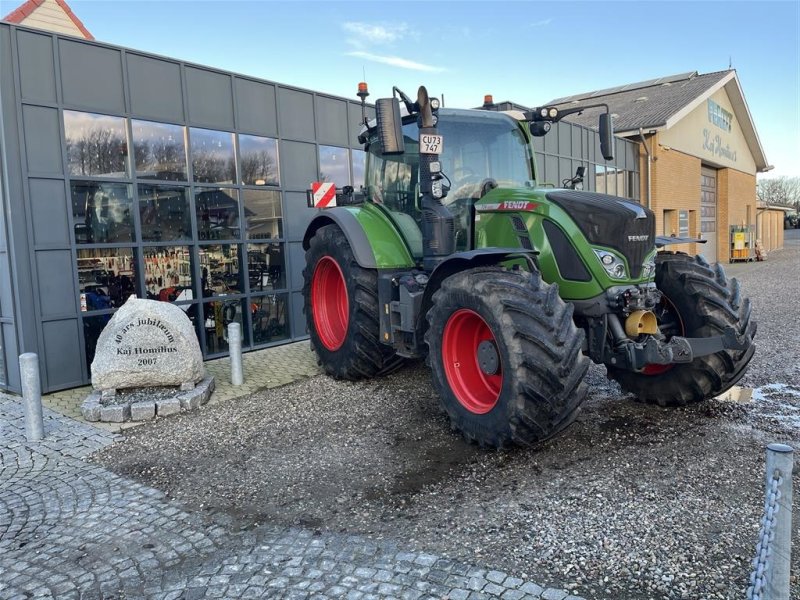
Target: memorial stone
x,y
147,343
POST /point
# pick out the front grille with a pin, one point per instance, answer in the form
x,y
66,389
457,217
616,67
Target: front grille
x,y
613,222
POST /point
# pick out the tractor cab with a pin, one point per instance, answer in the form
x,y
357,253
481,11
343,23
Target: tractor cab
x,y
482,151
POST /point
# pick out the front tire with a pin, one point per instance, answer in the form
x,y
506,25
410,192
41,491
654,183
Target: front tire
x,y
505,356
699,301
341,307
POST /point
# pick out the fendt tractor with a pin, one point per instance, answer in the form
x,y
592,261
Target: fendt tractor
x,y
454,250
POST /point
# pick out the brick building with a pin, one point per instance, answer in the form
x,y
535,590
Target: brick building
x,y
699,155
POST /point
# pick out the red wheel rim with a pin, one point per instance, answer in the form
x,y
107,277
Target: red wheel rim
x,y
477,391
670,323
329,303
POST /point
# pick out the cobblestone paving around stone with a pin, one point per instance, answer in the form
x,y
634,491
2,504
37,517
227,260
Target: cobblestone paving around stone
x,y
267,368
71,529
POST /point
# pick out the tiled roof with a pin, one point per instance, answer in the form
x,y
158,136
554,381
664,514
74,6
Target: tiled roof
x,y
646,104
25,10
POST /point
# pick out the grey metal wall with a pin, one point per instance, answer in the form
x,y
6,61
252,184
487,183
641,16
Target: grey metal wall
x,y
567,146
44,74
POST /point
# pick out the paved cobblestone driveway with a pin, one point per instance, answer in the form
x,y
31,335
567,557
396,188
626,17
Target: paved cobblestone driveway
x,y
69,529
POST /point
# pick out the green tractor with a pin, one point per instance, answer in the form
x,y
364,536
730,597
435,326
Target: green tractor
x,y
452,251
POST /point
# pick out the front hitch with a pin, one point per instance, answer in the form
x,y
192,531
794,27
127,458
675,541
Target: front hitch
x,y
678,349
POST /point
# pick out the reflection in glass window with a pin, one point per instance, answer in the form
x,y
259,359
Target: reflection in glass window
x,y
683,223
334,165
259,160
164,213
168,273
270,322
159,151
219,268
92,328
96,144
101,212
217,213
266,267
106,277
212,156
262,214
359,163
218,315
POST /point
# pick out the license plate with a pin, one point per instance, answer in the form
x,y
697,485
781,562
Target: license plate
x,y
430,144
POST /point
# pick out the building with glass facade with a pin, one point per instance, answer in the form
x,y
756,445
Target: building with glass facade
x,y
127,173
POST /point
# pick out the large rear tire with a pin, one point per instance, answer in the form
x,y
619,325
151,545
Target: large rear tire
x,y
505,356
341,307
699,301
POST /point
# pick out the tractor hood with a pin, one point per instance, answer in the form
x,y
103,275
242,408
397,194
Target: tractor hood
x,y
612,222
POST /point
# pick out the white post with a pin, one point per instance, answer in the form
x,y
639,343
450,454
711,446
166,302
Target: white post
x,y
235,350
780,457
31,396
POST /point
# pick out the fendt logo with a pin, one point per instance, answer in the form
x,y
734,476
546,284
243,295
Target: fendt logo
x,y
517,205
638,238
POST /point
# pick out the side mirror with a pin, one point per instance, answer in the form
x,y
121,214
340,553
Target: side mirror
x,y
390,125
606,127
580,171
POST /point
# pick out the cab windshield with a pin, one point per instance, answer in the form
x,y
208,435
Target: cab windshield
x,y
477,146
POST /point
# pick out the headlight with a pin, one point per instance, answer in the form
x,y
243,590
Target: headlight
x,y
649,267
613,264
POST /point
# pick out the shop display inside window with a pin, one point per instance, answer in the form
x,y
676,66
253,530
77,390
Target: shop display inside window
x,y
168,273
212,156
159,151
106,277
262,214
217,213
101,212
96,145
269,317
334,165
92,328
266,267
258,158
164,213
217,316
220,272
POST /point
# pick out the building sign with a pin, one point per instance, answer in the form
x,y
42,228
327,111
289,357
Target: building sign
x,y
713,142
719,116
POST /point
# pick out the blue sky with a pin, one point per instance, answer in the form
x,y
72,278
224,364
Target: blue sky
x,y
528,52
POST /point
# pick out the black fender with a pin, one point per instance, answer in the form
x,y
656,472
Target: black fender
x,y
460,261
352,229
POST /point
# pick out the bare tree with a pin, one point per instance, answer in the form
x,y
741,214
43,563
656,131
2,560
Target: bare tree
x,y
99,151
259,166
779,190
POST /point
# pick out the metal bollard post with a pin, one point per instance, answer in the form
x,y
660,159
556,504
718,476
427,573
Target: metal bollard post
x,y
235,350
780,457
31,396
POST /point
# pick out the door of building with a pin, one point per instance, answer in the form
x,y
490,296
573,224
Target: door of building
x,y
708,213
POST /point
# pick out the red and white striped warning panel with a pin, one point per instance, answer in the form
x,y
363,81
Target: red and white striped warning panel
x,y
323,194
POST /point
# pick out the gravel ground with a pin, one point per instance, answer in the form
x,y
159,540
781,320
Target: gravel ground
x,y
630,502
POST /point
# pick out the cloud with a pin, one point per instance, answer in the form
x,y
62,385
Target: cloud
x,y
375,33
542,23
396,61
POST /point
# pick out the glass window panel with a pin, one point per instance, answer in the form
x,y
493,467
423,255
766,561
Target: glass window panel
x,y
217,213
164,213
212,156
359,166
102,212
159,151
168,273
270,318
259,160
262,214
266,267
683,223
92,328
220,272
96,144
334,165
106,277
218,315
600,179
